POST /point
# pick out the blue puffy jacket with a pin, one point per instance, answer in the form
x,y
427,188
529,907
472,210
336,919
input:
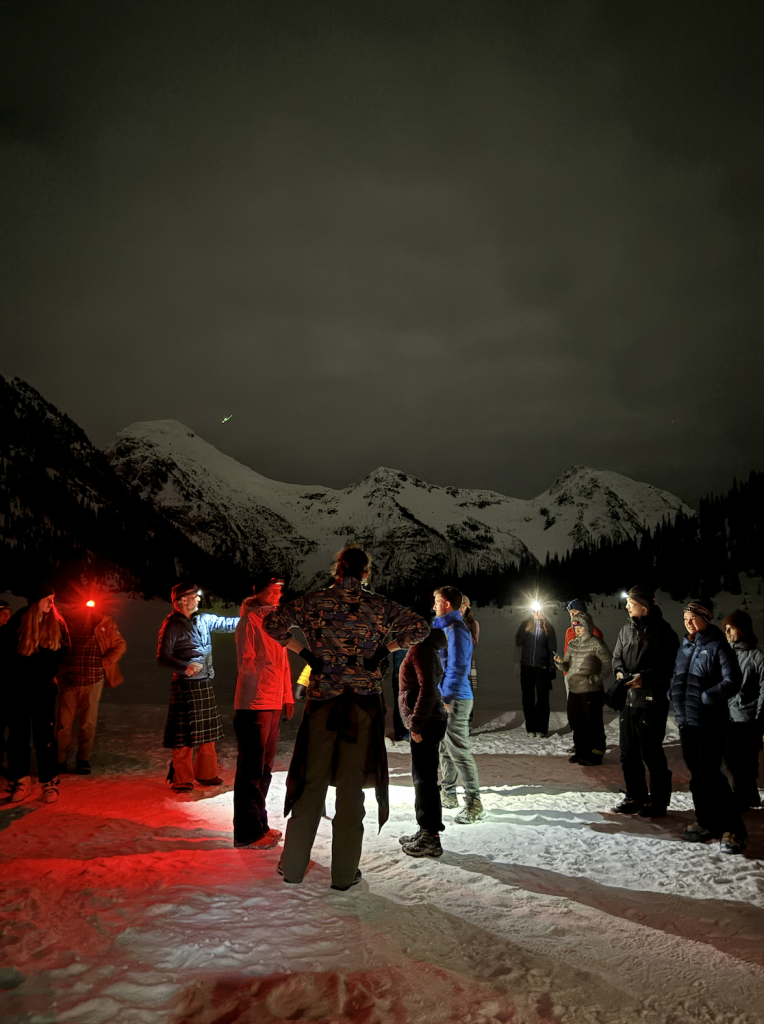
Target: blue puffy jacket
x,y
706,676
457,657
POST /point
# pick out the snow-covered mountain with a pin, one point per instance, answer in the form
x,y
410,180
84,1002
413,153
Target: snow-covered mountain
x,y
412,528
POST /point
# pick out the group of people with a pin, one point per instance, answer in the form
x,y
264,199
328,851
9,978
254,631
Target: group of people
x,y
59,667
713,680
345,633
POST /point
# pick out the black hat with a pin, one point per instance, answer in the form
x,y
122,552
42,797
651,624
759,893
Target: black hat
x,y
4,604
740,620
41,590
261,580
577,605
183,590
643,595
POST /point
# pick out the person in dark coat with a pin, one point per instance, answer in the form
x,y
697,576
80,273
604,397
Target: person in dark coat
x,y
537,642
643,663
193,720
426,718
35,642
746,710
706,677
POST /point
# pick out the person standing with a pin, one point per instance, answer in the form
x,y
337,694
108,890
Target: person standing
x,y
193,720
706,677
341,739
96,648
456,758
537,642
263,691
34,643
5,615
746,712
643,662
425,716
400,732
587,664
473,626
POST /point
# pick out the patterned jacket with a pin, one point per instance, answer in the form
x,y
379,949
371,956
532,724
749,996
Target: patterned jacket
x,y
343,624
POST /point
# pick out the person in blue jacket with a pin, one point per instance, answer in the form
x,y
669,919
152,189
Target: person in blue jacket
x,y
456,759
706,676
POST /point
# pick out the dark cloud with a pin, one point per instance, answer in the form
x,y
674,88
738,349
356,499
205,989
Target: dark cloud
x,y
477,242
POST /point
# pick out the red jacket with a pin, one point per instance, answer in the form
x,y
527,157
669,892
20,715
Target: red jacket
x,y
264,682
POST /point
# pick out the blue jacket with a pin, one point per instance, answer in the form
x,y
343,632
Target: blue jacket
x,y
706,676
457,657
183,640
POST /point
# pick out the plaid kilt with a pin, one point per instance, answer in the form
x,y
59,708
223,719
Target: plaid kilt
x,y
193,715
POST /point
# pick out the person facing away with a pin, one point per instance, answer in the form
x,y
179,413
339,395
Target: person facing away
x,y
425,716
706,676
96,648
263,691
456,759
537,642
34,644
341,739
746,712
587,664
193,720
643,663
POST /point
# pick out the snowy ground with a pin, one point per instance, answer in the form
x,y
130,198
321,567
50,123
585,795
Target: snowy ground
x,y
124,903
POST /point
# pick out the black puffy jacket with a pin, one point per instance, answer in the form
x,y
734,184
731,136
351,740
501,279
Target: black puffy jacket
x,y
647,646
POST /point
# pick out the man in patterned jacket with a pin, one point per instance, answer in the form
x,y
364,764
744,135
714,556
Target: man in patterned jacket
x,y
341,739
193,720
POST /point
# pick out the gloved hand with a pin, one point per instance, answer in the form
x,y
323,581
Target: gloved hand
x,y
316,663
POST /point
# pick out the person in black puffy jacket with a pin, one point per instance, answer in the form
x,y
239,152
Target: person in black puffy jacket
x,y
424,715
643,663
706,676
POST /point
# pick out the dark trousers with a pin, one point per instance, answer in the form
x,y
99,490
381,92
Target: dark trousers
x,y
703,750
425,757
257,735
585,718
399,729
535,684
32,716
641,740
741,758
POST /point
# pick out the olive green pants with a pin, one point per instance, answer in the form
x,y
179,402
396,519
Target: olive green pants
x,y
347,826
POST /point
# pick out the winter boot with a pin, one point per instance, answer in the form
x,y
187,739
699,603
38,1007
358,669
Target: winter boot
x,y
82,767
50,791
695,833
405,840
471,813
427,844
731,844
20,789
448,800
628,806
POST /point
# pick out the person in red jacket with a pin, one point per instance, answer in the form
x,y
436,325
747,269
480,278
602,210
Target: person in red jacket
x,y
263,690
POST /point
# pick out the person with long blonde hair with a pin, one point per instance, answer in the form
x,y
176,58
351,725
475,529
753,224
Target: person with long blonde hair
x,y
35,642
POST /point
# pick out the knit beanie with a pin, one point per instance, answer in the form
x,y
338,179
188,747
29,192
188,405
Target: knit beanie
x,y
740,620
183,590
703,607
577,605
644,596
39,591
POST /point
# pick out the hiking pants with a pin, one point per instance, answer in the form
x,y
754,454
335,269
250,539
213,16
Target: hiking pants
x,y
257,734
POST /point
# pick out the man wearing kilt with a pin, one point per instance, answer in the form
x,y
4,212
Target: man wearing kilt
x,y
193,720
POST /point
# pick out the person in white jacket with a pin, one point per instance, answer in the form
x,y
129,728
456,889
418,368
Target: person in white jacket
x,y
263,691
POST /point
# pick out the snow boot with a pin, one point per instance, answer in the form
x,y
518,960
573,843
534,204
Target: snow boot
x,y
50,791
344,888
448,800
628,806
83,768
405,840
20,789
472,811
427,844
731,844
695,833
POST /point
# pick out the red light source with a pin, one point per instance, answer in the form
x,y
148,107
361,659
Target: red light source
x,y
90,604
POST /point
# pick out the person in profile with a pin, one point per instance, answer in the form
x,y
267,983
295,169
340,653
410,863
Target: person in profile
x,y
193,719
341,740
263,691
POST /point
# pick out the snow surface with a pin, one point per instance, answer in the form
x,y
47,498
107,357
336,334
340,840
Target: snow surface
x,y
124,903
213,499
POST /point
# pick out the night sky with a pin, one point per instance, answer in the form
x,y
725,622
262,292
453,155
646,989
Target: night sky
x,y
474,241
